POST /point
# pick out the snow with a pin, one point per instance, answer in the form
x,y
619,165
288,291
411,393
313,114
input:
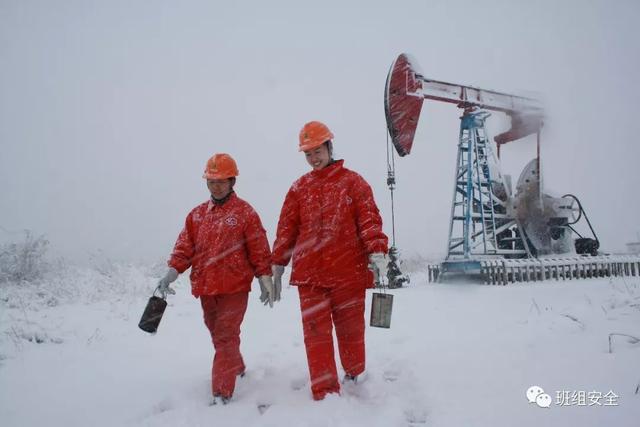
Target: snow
x,y
456,355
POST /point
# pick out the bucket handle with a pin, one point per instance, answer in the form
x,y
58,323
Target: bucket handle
x,y
157,289
382,281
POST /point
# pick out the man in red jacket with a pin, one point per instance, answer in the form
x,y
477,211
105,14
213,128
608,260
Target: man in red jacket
x,y
225,245
331,227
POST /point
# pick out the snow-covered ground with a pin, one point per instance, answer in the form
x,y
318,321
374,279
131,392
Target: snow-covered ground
x,y
71,354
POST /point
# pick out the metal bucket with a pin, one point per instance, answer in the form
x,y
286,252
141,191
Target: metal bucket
x,y
381,305
152,314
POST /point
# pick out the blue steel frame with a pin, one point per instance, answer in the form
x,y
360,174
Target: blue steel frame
x,y
477,214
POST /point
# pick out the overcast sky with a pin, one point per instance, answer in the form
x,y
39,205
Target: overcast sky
x,y
109,110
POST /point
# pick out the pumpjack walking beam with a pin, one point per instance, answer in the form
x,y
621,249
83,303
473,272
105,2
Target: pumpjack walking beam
x,y
407,88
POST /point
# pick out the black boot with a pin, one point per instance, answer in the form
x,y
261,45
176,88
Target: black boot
x,y
218,399
350,379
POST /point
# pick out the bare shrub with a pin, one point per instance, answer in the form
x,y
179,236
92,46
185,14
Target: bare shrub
x,y
25,260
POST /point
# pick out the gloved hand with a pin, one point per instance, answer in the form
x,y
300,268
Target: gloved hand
x,y
278,271
266,288
163,284
379,264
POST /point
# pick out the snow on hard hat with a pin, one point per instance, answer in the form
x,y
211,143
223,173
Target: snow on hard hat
x,y
220,166
314,134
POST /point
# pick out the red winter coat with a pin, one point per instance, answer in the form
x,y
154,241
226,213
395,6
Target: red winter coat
x,y
225,246
329,223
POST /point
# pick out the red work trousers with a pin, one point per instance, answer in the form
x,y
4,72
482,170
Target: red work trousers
x,y
223,315
322,308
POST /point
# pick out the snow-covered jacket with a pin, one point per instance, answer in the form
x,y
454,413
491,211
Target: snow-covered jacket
x,y
225,246
329,224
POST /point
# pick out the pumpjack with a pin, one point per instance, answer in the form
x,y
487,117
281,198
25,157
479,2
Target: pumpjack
x,y
491,223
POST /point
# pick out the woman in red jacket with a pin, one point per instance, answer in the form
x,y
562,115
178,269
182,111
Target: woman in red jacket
x,y
331,227
225,245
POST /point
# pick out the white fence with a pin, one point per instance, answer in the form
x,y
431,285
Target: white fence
x,y
504,271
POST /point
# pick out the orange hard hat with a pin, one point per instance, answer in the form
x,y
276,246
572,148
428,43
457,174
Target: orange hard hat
x,y
314,134
220,166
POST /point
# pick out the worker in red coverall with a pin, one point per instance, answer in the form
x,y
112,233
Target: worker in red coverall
x,y
225,245
331,227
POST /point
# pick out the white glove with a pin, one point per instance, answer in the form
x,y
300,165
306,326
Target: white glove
x,y
278,271
163,284
378,263
266,288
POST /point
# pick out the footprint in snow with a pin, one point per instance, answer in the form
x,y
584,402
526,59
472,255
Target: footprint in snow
x,y
390,376
299,384
162,406
415,417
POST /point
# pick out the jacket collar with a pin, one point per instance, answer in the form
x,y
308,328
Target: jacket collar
x,y
213,202
330,169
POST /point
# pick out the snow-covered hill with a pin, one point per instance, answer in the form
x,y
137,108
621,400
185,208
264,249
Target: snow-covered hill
x,y
456,355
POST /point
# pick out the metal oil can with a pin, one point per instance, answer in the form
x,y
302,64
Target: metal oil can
x,y
152,314
381,306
